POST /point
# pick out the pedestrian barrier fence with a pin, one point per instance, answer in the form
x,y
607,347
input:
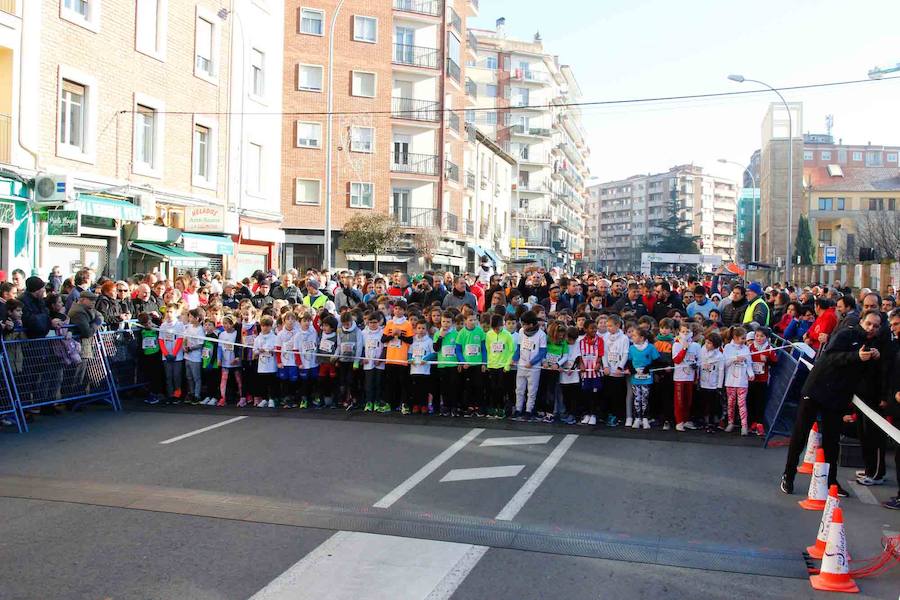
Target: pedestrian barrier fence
x,y
786,379
55,369
121,348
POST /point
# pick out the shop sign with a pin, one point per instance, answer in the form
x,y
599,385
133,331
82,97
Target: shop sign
x,y
209,219
63,222
7,213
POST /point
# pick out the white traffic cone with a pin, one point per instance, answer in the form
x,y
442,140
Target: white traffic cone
x,y
818,549
818,484
813,442
834,576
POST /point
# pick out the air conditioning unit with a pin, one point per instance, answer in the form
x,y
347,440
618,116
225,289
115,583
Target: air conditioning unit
x,y
147,202
53,189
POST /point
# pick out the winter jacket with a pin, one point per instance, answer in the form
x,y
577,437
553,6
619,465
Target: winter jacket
x,y
712,369
738,367
615,353
350,343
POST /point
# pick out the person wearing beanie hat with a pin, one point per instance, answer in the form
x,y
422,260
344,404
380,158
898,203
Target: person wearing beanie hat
x,y
757,310
35,313
314,298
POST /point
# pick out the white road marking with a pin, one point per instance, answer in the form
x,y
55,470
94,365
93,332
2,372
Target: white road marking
x,y
515,504
201,430
863,493
351,565
516,441
433,465
447,587
482,473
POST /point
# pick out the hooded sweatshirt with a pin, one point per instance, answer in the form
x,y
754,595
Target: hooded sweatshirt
x,y
285,345
328,347
737,374
350,343
373,348
532,348
500,349
615,353
641,357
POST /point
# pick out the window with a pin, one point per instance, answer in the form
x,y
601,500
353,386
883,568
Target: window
x,y
309,134
826,155
807,155
363,84
840,204
491,63
842,157
365,29
362,139
874,158
892,157
144,136
254,168
79,7
257,72
826,203
490,117
825,236
85,13
306,191
202,149
490,90
876,204
204,62
150,27
309,78
857,156
362,195
892,204
72,115
312,21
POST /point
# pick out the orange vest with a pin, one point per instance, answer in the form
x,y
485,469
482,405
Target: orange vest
x,y
397,350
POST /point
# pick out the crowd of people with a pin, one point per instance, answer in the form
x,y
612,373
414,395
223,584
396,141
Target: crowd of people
x,y
682,352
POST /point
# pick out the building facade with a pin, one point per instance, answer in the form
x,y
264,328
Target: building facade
x,y
625,216
745,229
523,100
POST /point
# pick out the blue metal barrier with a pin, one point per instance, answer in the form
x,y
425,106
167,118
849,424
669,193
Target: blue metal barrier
x,y
8,405
121,348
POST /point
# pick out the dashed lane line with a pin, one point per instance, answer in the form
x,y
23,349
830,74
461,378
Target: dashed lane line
x,y
482,473
178,438
516,441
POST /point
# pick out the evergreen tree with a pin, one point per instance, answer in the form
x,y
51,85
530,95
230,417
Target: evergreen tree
x,y
676,236
803,246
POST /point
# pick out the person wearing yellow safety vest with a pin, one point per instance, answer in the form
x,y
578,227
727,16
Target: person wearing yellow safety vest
x,y
314,298
757,310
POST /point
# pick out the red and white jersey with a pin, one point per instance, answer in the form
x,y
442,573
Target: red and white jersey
x,y
591,352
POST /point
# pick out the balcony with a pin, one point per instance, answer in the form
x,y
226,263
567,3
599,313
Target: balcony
x,y
529,76
470,179
520,129
532,158
452,171
5,135
419,218
416,56
471,42
422,7
415,110
469,227
455,21
453,70
471,89
450,222
532,215
8,6
535,187
415,164
453,121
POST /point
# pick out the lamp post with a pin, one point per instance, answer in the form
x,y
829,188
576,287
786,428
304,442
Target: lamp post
x,y
790,206
328,135
753,211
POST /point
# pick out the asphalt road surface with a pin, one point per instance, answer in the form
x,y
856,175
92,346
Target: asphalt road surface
x,y
217,504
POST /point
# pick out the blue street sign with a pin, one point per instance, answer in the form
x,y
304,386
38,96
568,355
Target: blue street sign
x,y
830,255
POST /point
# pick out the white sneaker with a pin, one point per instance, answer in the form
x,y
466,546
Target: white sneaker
x,y
592,420
209,401
271,403
745,431
679,427
628,422
729,428
667,426
587,419
646,423
689,425
636,424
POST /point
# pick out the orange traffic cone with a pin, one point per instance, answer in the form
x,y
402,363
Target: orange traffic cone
x,y
835,573
818,484
812,444
817,549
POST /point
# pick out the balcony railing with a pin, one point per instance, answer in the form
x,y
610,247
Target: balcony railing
x,y
533,186
417,56
469,227
471,88
452,170
520,129
415,110
526,75
472,41
470,179
423,7
453,70
455,21
415,217
8,6
417,164
453,120
5,138
450,222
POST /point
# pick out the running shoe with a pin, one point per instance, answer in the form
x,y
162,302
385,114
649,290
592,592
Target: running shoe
x,y
867,481
221,402
404,409
892,504
242,403
368,407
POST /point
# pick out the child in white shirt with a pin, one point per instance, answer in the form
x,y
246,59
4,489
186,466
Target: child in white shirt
x,y
738,373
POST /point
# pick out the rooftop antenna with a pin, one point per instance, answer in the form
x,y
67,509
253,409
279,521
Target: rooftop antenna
x,y
829,124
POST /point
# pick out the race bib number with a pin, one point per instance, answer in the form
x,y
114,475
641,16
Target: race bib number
x,y
249,339
528,345
167,336
266,361
206,353
347,348
758,368
148,343
448,351
326,346
472,350
396,343
497,347
228,347
371,344
418,353
309,346
287,346
553,359
613,358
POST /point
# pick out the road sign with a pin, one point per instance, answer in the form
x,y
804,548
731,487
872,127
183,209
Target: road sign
x,y
830,255
830,267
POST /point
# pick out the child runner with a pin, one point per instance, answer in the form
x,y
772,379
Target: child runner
x,y
421,352
230,360
591,351
685,354
615,355
641,355
150,359
264,353
193,355
557,349
661,395
171,346
530,352
569,380
448,374
397,336
763,355
471,352
712,374
306,341
500,350
350,350
326,357
738,373
373,365
210,363
288,373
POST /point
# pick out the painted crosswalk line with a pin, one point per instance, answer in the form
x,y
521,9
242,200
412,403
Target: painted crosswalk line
x,y
482,473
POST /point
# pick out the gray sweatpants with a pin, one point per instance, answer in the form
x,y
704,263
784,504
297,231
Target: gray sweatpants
x,y
527,381
194,378
174,370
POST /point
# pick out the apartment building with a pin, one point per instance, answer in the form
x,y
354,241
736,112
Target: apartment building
x,y
523,99
820,150
625,215
398,143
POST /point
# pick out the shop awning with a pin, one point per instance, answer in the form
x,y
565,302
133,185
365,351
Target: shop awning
x,y
476,249
109,208
177,257
493,256
207,244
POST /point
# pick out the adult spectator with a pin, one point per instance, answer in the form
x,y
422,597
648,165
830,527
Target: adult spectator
x,y
701,304
666,301
144,302
286,290
379,288
18,279
888,304
459,296
732,307
35,314
314,297
494,286
262,298
780,302
123,295
847,314
891,393
108,306
757,310
573,294
7,293
631,302
55,280
535,283
230,299
85,321
826,321
82,282
346,295
555,302
869,382
204,276
400,286
485,271
827,392
872,301
424,294
603,286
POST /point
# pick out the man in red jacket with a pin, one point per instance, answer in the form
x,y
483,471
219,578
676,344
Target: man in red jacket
x,y
826,321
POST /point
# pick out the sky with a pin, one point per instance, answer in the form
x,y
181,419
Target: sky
x,y
622,49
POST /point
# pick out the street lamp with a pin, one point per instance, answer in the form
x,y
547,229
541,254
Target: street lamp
x,y
753,211
790,206
328,136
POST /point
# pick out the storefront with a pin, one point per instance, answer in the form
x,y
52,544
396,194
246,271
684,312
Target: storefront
x,y
16,226
257,249
217,249
161,258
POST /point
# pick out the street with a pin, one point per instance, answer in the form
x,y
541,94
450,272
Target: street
x,y
271,506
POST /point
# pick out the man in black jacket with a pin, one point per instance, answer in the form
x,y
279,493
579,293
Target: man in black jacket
x,y
666,302
35,314
554,302
631,302
891,393
828,391
424,294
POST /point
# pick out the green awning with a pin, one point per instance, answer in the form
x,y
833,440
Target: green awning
x,y
109,208
177,257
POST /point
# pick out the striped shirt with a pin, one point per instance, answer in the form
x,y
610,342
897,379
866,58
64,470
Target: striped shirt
x,y
591,352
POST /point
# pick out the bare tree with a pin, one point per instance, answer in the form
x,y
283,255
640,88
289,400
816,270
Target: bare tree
x,y
880,230
426,242
374,233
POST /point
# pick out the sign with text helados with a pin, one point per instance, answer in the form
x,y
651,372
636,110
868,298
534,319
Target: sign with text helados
x,y
210,219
